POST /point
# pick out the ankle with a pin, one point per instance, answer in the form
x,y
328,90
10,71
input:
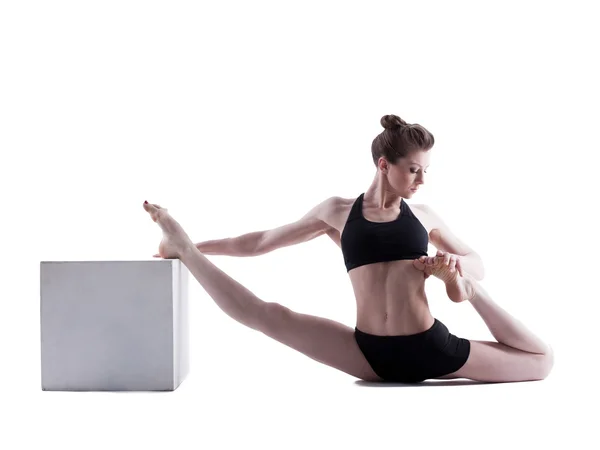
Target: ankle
x,y
187,251
472,288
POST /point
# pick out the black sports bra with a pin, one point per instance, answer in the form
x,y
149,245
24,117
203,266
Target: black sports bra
x,y
365,242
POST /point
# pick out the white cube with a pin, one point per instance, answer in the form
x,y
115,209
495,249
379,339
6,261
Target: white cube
x,y
114,325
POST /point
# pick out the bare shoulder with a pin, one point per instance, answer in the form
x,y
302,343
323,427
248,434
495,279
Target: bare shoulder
x,y
420,207
324,210
443,238
335,211
426,216
337,203
427,211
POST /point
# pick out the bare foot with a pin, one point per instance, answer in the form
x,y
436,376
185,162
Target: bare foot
x,y
175,241
459,288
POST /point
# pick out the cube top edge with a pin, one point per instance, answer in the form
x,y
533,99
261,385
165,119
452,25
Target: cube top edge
x,y
157,260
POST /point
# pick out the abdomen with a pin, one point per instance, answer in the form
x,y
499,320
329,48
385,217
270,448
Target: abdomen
x,y
390,298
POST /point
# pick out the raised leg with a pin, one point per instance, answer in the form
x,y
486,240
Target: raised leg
x,y
519,355
505,328
321,339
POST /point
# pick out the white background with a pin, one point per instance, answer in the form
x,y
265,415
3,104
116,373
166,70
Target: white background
x,y
243,116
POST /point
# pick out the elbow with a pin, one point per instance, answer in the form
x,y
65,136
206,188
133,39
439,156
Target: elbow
x,y
475,266
256,245
480,270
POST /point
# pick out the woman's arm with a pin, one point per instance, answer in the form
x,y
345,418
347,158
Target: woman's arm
x,y
310,226
244,245
445,240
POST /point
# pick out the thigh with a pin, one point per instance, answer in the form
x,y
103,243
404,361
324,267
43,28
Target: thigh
x,y
495,362
323,340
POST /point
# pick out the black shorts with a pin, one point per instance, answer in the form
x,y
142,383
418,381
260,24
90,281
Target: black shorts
x,y
416,357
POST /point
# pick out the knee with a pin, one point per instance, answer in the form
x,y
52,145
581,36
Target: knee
x,y
547,362
273,316
275,310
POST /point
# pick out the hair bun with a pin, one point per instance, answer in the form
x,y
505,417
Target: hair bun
x,y
392,122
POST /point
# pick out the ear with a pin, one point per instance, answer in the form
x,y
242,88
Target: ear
x,y
383,164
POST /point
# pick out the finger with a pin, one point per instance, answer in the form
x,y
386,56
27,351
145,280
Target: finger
x,y
439,254
452,264
459,267
418,264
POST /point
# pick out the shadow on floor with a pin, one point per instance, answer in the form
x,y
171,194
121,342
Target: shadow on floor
x,y
427,383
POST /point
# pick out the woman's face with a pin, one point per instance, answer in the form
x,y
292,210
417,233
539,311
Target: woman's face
x,y
408,174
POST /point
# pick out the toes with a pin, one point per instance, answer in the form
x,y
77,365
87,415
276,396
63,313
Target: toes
x,y
152,210
153,207
158,207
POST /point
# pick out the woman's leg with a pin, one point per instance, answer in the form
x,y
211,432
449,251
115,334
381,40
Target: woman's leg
x,y
320,339
519,355
505,328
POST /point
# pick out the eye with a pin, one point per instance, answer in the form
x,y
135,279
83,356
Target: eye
x,y
416,170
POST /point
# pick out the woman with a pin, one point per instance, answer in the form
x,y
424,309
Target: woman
x,y
384,244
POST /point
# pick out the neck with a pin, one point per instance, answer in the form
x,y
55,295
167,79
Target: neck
x,y
381,195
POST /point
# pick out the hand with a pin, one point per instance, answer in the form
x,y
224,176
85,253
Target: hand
x,y
420,264
451,260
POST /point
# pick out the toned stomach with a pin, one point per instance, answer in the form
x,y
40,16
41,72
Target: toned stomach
x,y
390,299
